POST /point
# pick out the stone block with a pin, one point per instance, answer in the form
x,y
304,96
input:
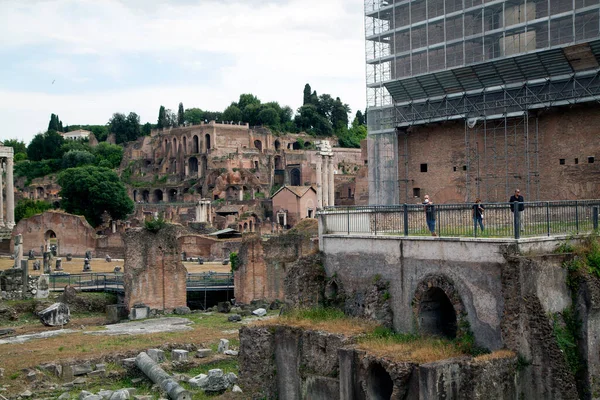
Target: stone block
x,y
223,346
54,369
128,362
182,311
81,369
322,388
157,355
121,394
179,355
234,318
236,389
223,307
99,373
42,289
57,314
115,313
64,396
83,394
106,394
139,313
260,312
31,376
100,367
93,397
203,353
230,352
142,397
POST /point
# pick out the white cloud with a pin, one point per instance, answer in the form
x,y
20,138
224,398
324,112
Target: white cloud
x,y
272,49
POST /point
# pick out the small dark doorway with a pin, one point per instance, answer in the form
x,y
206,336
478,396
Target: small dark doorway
x,y
277,145
437,315
135,196
295,177
207,140
258,145
195,147
379,385
172,195
193,166
146,196
158,196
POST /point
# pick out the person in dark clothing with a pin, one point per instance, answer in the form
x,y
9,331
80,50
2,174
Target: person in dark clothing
x,y
517,198
430,215
478,214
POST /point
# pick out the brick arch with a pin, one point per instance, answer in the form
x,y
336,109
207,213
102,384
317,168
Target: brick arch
x,y
445,285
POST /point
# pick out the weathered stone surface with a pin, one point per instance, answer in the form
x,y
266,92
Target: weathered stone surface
x,y
115,313
31,376
54,369
230,352
223,346
26,393
223,307
121,394
83,394
64,396
215,382
7,331
179,355
156,325
139,312
152,260
157,355
31,336
198,381
42,289
93,397
79,381
81,369
128,362
256,361
182,310
142,397
106,394
57,314
203,353
99,373
260,312
234,318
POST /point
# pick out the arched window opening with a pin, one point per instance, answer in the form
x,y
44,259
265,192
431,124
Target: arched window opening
x,y
158,196
258,145
207,140
172,195
295,177
277,145
195,145
379,384
437,315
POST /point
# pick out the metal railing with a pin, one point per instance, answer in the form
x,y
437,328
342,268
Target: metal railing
x,y
541,218
113,282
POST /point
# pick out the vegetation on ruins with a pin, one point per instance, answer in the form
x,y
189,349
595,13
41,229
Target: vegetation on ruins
x,y
125,128
155,224
45,146
91,191
19,148
26,208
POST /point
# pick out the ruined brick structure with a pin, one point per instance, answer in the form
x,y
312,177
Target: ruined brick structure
x,y
153,272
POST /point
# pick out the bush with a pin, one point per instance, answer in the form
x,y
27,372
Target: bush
x,y
77,158
28,208
156,224
234,261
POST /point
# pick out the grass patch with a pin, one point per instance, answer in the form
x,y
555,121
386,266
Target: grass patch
x,y
496,355
565,327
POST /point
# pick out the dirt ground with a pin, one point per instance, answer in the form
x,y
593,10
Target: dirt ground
x,y
100,265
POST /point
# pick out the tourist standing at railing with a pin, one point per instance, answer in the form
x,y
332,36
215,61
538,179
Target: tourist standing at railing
x,y
517,198
430,215
478,214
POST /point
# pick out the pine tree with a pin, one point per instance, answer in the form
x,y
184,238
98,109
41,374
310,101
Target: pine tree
x,y
307,92
180,115
162,118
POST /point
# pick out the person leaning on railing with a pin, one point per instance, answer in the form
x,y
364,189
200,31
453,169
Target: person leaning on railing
x,y
517,198
430,215
478,214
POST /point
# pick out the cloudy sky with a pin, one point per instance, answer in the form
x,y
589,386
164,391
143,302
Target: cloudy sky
x,y
87,59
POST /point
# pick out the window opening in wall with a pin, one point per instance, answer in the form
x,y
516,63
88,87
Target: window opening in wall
x,y
437,315
310,213
590,160
464,167
423,167
417,192
256,165
562,161
349,193
454,169
576,161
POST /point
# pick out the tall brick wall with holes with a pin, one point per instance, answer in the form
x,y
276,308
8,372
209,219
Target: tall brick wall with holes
x,y
153,272
454,164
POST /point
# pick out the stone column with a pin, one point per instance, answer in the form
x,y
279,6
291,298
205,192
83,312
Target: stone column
x,y
325,179
199,211
1,196
331,183
25,277
10,194
319,182
241,194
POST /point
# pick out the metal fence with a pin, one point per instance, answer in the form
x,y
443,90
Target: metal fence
x,y
540,218
113,282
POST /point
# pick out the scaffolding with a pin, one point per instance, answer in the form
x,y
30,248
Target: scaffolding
x,y
494,65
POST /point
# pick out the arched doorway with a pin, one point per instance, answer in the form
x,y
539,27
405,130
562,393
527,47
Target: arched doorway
x,y
258,145
166,145
172,195
135,196
146,196
278,162
175,146
437,315
277,145
295,177
379,384
51,242
158,196
195,146
184,145
193,164
296,146
207,141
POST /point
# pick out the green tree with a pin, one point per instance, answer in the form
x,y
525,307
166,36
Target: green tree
x,y
45,146
246,100
91,191
360,118
71,145
307,93
162,118
180,115
353,136
19,148
125,128
269,117
339,115
55,124
310,120
233,113
111,153
26,208
146,129
194,116
77,158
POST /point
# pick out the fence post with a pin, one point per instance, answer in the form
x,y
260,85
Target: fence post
x,y
375,220
405,219
577,216
595,217
348,214
517,220
548,217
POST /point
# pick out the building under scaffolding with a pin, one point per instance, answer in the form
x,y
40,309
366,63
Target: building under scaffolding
x,y
491,75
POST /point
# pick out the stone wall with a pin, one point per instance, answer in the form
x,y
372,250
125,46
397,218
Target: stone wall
x,y
153,272
291,363
263,265
207,247
11,285
73,233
